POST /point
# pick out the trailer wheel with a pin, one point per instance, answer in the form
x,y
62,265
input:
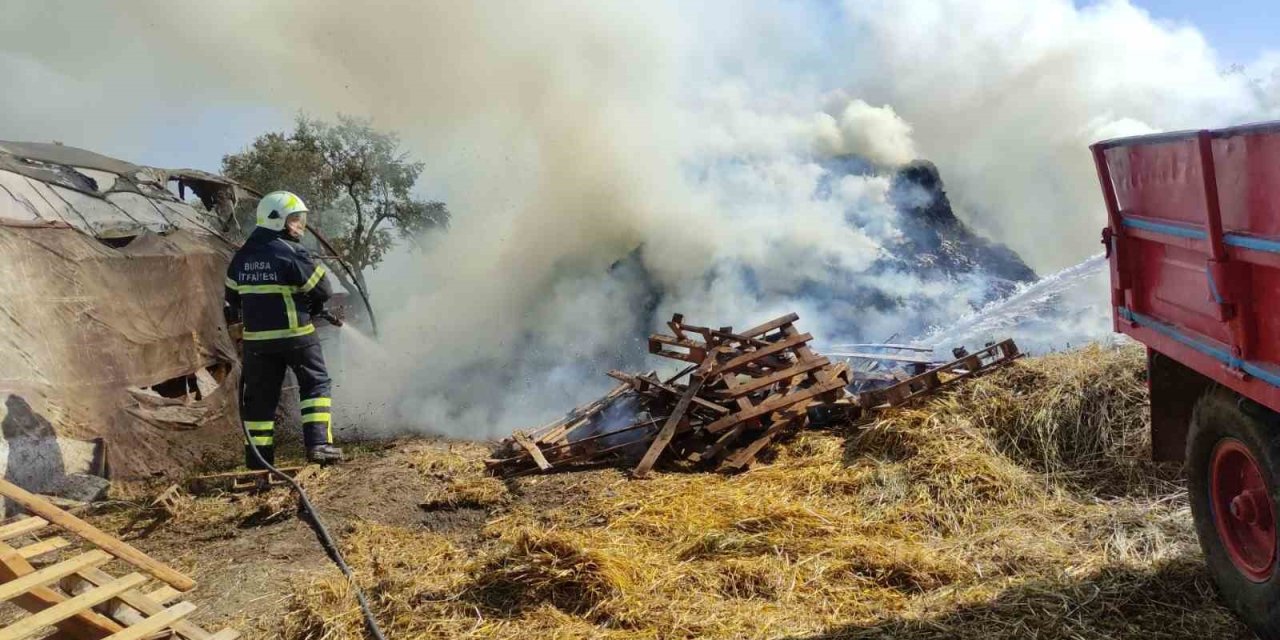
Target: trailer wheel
x,y
1232,477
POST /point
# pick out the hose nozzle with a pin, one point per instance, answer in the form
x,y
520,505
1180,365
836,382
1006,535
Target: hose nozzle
x,y
330,318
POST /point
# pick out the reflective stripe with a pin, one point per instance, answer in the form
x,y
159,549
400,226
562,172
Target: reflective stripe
x,y
314,280
316,417
290,311
260,425
316,402
262,441
280,333
231,284
266,288
328,433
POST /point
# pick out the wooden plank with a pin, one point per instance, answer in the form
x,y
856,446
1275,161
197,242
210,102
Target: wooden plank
x,y
52,573
556,429
777,323
747,358
747,454
560,433
116,547
30,524
729,336
675,323
775,403
744,404
694,357
44,546
150,603
669,429
805,352
928,382
87,625
774,378
226,634
723,441
569,452
155,623
538,434
779,361
533,450
691,345
33,623
682,373
705,404
240,475
873,376
238,480
164,594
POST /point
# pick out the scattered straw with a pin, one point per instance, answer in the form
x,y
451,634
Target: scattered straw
x,y
1018,505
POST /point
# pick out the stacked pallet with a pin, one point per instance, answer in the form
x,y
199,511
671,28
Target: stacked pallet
x,y
740,392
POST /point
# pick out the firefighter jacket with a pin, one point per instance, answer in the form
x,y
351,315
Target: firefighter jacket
x,y
275,286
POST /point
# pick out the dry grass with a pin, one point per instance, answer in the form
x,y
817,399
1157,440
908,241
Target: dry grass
x,y
975,515
462,481
1080,417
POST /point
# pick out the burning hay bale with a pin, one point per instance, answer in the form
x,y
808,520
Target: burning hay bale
x,y
741,392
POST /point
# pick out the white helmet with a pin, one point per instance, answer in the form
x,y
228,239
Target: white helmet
x,y
274,207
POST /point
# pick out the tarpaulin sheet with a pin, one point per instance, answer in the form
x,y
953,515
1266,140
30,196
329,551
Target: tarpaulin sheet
x,y
82,324
108,285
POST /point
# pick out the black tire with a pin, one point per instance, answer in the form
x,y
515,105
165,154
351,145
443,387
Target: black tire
x,y
1217,416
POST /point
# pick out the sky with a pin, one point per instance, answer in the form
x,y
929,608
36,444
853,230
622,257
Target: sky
x,y
1240,30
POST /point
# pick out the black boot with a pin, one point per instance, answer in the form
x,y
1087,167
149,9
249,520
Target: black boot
x,y
324,454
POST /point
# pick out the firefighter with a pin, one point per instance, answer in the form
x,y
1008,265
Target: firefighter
x,y
275,287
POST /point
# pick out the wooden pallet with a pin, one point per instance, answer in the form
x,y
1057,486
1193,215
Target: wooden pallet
x,y
241,481
69,592
739,393
941,377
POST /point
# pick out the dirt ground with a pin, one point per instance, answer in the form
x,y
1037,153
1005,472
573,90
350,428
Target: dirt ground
x,y
245,549
249,552
1023,505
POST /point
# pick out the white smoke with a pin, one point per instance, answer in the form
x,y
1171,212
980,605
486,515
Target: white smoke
x,y
877,134
594,153
1006,94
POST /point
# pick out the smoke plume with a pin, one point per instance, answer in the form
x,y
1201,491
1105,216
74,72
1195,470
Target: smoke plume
x,y
609,163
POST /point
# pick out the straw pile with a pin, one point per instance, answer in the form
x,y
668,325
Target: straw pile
x,y
962,518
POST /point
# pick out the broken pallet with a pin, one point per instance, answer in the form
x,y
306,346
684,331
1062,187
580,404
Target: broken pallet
x,y
69,592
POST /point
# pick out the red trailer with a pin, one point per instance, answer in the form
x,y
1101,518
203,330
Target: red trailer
x,y
1194,246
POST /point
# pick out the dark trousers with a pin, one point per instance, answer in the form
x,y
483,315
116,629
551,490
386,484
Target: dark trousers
x,y
260,394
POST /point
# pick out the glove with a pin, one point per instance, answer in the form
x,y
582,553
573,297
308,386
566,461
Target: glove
x,y
323,314
231,314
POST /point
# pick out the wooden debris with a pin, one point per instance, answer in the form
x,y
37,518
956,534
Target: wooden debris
x,y
74,595
741,392
167,501
241,481
941,376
